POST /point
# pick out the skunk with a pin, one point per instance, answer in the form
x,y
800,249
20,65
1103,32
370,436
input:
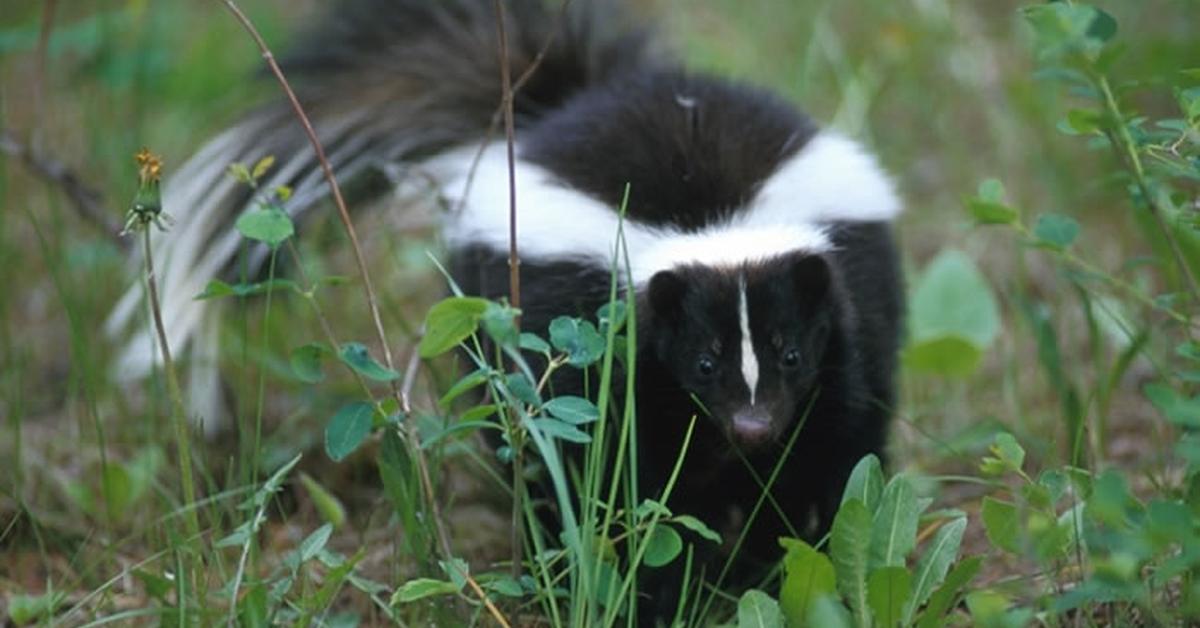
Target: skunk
x,y
760,245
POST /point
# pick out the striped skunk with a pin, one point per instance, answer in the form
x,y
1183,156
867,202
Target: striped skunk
x,y
760,245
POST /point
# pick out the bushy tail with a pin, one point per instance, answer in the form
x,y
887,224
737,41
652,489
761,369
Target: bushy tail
x,y
384,82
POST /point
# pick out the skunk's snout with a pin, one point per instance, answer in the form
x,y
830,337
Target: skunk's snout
x,y
752,426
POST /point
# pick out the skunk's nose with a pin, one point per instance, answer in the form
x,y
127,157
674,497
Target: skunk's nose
x,y
752,426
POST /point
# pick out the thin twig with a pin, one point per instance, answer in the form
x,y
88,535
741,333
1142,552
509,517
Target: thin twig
x,y
514,272
84,198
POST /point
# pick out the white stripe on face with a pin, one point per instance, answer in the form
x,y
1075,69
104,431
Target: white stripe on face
x,y
749,360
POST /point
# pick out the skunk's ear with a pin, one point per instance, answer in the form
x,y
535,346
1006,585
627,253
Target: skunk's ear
x,y
666,292
811,277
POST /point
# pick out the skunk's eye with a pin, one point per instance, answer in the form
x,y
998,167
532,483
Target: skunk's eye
x,y
791,358
706,366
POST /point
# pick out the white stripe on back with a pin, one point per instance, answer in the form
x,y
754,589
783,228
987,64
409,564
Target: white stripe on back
x,y
830,179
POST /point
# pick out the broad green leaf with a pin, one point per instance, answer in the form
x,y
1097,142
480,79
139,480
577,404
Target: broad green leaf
x,y
1085,120
1001,524
952,299
578,339
356,356
662,547
1007,456
450,322
25,609
991,213
949,355
457,570
1055,231
348,428
326,503
306,362
944,598
522,388
807,575
573,410
849,550
500,323
827,611
698,526
888,591
865,483
504,585
562,431
269,225
531,342
935,561
894,530
422,588
757,610
1178,409
611,314
468,382
240,172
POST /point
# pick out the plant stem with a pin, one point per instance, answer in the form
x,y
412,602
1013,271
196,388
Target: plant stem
x,y
1127,151
178,410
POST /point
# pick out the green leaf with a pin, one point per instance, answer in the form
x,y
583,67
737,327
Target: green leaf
x,y
348,429
356,356
468,382
531,342
499,322
1001,524
894,530
25,609
269,225
240,172
699,527
457,570
611,314
950,355
450,322
326,503
306,362
827,612
757,610
562,431
944,598
578,339
952,299
314,543
1008,456
1180,410
262,167
849,550
662,546
807,575
865,483
989,213
573,410
422,588
888,591
217,289
1055,231
935,561
1085,121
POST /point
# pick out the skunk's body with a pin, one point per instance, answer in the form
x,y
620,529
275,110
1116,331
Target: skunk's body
x,y
759,245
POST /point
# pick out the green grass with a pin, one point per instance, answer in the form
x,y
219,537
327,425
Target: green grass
x,y
950,94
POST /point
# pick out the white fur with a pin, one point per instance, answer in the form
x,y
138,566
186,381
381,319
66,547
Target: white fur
x,y
749,359
830,179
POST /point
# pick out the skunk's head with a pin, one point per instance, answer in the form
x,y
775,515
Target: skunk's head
x,y
749,342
